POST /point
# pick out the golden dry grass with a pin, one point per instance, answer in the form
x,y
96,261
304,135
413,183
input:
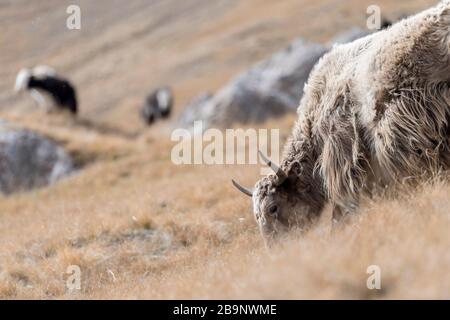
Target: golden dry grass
x,y
140,227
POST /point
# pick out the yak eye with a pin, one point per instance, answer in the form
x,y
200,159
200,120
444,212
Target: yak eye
x,y
273,209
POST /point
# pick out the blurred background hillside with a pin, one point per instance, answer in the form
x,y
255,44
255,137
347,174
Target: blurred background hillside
x,y
125,49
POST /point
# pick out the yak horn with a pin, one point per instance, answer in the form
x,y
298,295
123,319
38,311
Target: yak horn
x,y
278,171
245,191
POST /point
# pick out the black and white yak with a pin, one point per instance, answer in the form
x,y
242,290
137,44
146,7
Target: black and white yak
x,y
43,80
158,105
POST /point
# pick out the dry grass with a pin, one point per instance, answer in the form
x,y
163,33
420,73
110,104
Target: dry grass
x,y
140,227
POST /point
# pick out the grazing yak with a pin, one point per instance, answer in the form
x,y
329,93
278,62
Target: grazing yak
x,y
158,105
375,112
43,79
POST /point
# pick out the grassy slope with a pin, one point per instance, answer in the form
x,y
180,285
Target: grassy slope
x,y
139,226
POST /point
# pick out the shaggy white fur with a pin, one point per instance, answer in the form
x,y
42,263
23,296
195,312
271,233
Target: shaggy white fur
x,y
375,112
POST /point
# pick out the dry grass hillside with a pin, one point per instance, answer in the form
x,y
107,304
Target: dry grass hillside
x,y
139,226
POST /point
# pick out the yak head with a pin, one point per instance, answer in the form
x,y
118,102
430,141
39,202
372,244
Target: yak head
x,y
283,201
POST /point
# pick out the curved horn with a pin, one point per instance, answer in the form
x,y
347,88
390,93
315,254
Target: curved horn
x,y
278,171
245,191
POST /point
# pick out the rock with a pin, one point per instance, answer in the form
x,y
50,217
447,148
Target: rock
x,y
29,160
271,88
357,33
197,109
349,36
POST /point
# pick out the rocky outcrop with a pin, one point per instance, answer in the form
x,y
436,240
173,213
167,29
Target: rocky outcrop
x,y
29,160
349,36
269,89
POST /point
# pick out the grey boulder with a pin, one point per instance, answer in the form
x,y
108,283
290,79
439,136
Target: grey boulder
x,y
29,160
270,89
349,36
